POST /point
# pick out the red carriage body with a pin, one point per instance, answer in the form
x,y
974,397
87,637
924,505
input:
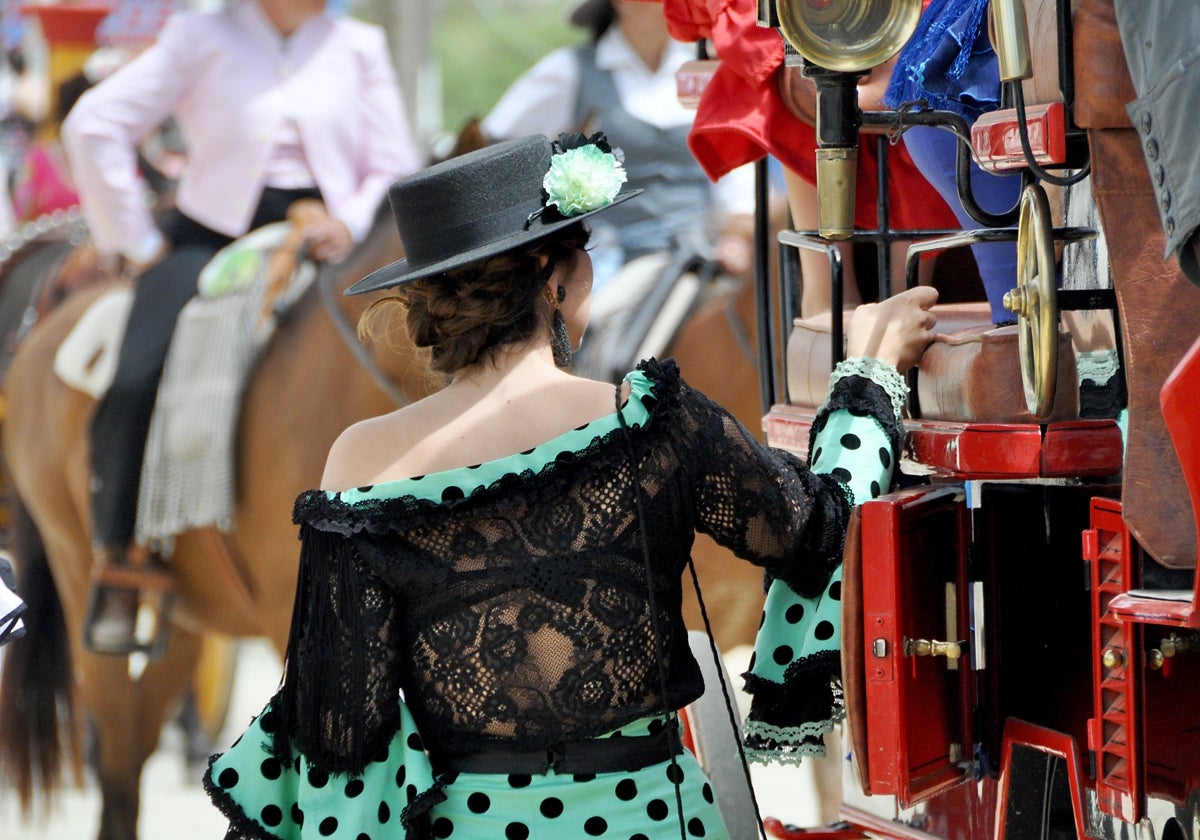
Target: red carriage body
x,y
1011,671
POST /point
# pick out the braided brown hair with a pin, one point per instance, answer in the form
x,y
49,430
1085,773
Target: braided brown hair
x,y
468,313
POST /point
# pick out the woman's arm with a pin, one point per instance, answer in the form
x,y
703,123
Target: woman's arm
x,y
389,150
101,134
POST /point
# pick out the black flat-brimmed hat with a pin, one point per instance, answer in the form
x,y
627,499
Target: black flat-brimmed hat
x,y
490,201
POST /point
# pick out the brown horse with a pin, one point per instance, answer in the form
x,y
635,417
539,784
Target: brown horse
x,y
307,388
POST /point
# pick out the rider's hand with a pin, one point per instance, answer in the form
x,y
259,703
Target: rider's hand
x,y
328,239
132,265
896,330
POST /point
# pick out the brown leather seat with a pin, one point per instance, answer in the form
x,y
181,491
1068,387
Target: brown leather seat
x,y
971,372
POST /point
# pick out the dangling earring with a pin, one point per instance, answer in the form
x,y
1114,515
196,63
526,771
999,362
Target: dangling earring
x,y
560,339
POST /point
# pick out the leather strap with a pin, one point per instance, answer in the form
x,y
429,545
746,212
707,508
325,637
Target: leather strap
x,y
1160,316
599,755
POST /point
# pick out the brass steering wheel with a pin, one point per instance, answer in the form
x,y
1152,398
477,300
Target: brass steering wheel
x,y
1035,302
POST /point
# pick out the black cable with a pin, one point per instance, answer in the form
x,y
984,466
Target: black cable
x,y
676,774
1027,148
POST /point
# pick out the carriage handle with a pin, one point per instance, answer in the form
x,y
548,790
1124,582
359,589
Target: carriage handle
x,y
896,122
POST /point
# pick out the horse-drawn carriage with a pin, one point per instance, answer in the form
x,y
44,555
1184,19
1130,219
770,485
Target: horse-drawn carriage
x,y
1021,614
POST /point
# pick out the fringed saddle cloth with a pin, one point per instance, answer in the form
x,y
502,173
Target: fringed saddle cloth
x,y
188,469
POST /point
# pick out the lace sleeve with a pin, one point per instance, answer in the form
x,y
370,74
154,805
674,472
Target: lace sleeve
x,y
763,504
339,702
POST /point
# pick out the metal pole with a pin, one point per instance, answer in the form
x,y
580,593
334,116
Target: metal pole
x,y
409,24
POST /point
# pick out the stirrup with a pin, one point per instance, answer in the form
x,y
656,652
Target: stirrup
x,y
154,588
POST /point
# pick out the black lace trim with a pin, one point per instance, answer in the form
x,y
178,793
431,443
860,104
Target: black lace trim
x,y
862,397
381,516
415,816
810,692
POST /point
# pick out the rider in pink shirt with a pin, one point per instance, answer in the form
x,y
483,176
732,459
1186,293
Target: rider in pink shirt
x,y
277,100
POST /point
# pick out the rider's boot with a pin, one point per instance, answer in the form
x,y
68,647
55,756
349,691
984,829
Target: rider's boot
x,y
126,582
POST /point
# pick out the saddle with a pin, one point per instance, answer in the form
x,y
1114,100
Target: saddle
x,y
188,470
1159,309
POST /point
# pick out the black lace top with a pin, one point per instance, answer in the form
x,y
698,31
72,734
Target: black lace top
x,y
519,611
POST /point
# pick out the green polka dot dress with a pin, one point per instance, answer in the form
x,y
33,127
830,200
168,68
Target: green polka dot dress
x,y
399,795
266,799
395,793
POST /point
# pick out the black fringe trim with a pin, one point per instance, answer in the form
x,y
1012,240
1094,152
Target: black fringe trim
x,y
312,701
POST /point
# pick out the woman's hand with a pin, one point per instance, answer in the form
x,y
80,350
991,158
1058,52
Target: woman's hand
x,y
328,239
896,330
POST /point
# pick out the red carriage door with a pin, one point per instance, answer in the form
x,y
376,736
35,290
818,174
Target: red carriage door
x,y
916,610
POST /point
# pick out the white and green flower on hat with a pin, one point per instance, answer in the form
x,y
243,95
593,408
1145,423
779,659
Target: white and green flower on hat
x,y
585,174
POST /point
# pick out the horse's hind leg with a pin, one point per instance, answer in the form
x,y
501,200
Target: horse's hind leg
x,y
128,716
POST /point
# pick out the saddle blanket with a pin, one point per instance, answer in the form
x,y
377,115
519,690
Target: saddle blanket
x,y
188,468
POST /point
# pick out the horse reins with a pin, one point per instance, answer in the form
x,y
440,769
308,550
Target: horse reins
x,y
349,335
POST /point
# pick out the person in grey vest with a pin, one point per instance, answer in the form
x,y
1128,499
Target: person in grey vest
x,y
623,82
1162,48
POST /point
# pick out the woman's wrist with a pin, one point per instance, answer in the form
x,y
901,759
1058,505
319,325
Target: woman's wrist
x,y
881,373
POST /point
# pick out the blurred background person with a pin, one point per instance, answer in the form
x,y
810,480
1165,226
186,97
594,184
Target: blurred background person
x,y
622,81
277,100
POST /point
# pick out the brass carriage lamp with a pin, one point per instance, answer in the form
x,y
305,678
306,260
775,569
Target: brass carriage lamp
x,y
841,40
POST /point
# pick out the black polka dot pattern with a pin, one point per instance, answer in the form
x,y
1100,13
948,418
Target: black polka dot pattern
x,y
478,803
621,805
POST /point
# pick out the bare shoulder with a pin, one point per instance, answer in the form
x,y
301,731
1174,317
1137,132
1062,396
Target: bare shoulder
x,y
444,431
354,458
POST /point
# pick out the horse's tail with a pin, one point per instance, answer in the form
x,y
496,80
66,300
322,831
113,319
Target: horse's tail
x,y
37,714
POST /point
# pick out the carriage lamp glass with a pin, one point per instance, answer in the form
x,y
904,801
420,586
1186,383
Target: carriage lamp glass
x,y
583,178
848,35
